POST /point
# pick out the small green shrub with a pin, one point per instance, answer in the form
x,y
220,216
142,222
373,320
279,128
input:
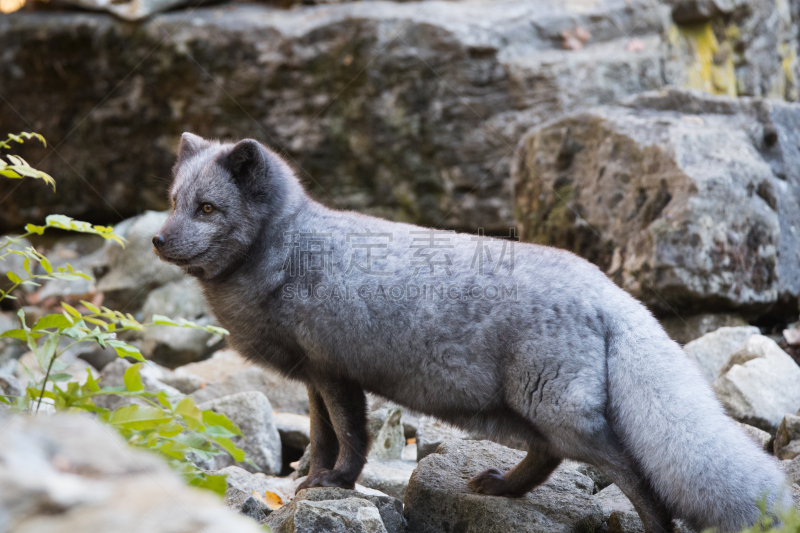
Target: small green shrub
x,y
170,425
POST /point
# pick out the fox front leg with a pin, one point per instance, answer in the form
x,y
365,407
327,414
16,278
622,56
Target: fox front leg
x,y
339,437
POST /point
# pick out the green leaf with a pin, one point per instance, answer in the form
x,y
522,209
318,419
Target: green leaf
x,y
132,378
91,307
211,482
13,277
15,334
228,445
52,321
217,419
190,413
71,310
138,417
61,376
126,350
160,320
47,351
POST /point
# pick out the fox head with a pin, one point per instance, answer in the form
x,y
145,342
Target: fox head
x,y
222,197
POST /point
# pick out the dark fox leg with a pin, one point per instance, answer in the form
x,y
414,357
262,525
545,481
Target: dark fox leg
x,y
532,471
324,444
346,407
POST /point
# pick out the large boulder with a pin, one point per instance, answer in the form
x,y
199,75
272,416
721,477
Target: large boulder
x,y
684,330
134,270
688,201
432,432
335,517
405,110
438,498
252,412
759,384
66,473
285,396
712,350
171,346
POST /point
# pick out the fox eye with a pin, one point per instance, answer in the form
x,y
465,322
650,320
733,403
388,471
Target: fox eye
x,y
207,208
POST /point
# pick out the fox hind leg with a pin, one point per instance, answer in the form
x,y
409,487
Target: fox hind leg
x,y
531,472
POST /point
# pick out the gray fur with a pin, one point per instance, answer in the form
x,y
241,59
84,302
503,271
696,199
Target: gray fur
x,y
572,364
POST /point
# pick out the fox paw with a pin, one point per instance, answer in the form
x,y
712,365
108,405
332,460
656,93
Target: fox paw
x,y
490,482
326,478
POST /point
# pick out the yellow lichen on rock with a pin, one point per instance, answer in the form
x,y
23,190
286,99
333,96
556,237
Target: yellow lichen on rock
x,y
711,67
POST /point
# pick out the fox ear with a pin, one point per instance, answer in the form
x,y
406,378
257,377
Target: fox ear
x,y
248,161
190,145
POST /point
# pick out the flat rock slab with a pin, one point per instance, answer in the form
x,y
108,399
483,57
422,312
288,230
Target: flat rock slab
x,y
438,500
712,350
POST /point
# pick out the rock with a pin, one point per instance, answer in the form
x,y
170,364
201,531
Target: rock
x,y
184,383
113,375
387,476
686,200
246,493
252,412
760,384
171,346
438,497
295,430
99,357
685,330
618,511
68,473
285,396
420,132
388,438
132,10
78,368
792,469
339,516
410,451
10,386
712,350
303,465
220,366
760,437
787,440
590,471
135,269
431,433
390,509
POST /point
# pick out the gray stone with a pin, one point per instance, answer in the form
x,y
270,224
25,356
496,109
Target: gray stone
x,y
135,270
792,469
431,433
787,439
336,516
712,350
389,477
618,511
590,471
390,509
295,430
302,465
171,346
284,395
762,384
252,412
386,430
250,482
687,329
69,473
438,497
10,386
759,436
184,383
686,200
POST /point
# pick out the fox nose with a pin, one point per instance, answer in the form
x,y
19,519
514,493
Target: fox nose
x,y
158,242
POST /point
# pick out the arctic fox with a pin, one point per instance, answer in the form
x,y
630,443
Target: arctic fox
x,y
492,335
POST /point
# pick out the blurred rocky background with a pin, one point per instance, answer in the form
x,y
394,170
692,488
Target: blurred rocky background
x,y
658,139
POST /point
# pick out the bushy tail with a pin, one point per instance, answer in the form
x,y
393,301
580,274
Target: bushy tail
x,y
704,467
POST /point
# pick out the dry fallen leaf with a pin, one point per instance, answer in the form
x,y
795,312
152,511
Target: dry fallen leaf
x,y
271,499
